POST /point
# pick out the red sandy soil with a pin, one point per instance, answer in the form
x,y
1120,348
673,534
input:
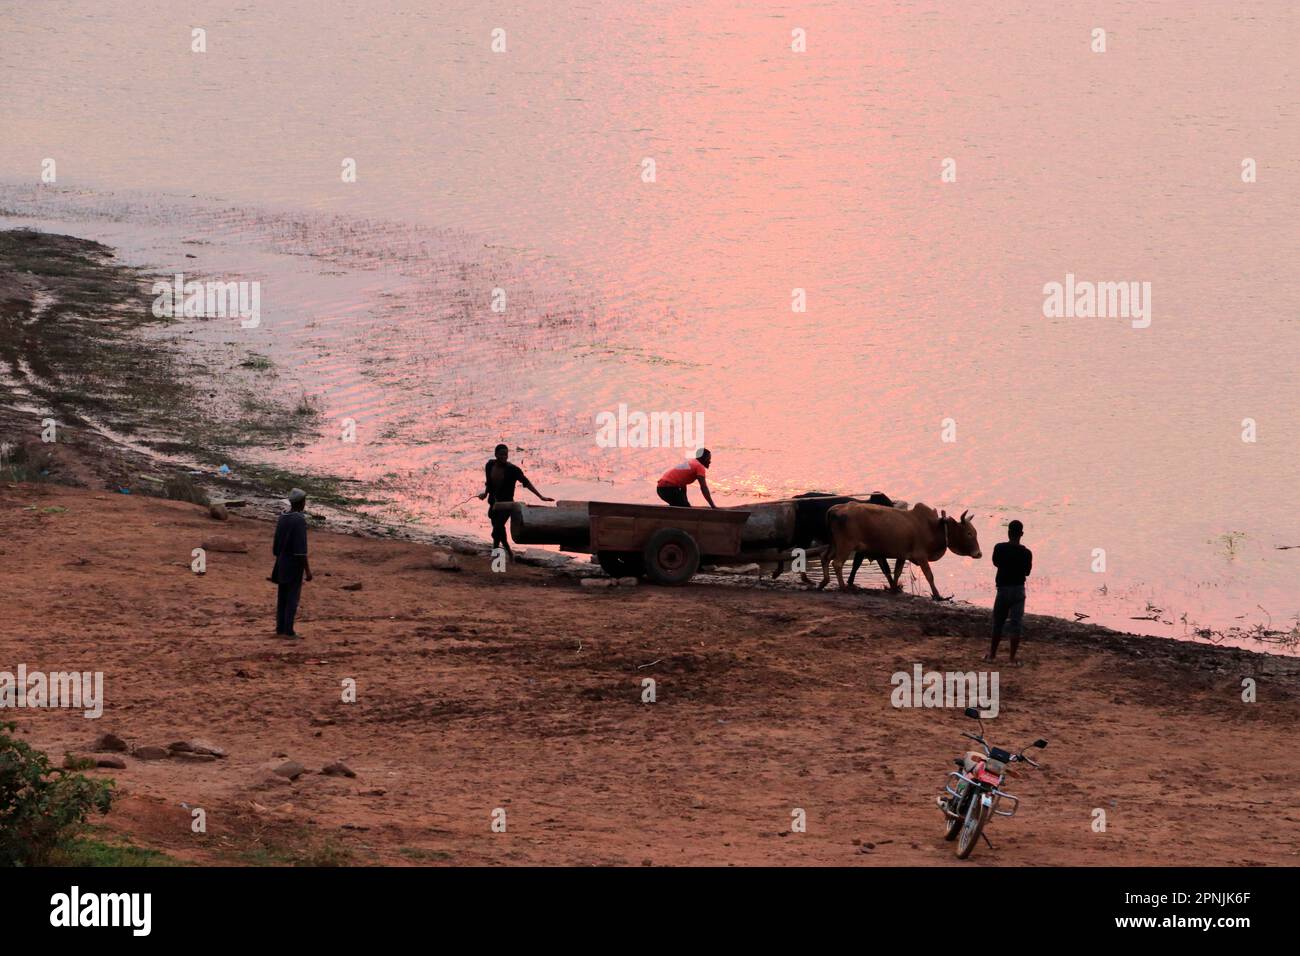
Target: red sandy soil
x,y
523,691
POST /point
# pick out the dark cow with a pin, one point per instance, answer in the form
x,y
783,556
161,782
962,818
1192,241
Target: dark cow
x,y
810,510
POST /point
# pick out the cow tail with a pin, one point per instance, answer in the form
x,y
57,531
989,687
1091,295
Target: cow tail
x,y
834,522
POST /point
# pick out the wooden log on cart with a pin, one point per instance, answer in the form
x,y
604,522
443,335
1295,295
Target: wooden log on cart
x,y
565,524
770,525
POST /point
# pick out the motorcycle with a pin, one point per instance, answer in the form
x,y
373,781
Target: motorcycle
x,y
973,795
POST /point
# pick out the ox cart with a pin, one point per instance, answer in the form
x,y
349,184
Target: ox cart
x,y
665,544
668,545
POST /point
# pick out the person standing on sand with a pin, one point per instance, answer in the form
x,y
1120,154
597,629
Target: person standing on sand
x,y
291,567
1013,561
672,484
500,478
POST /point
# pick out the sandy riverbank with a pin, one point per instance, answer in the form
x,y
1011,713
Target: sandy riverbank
x,y
522,691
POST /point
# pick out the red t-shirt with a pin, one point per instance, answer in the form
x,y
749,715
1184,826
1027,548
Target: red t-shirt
x,y
679,476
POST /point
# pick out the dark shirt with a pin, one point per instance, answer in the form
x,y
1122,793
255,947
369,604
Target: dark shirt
x,y
501,480
1013,562
290,545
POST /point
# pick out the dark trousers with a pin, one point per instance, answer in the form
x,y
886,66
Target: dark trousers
x,y
286,603
499,517
674,496
1008,609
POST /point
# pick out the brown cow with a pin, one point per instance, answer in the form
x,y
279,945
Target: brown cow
x,y
919,535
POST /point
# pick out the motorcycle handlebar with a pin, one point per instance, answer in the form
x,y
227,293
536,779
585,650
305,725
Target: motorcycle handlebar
x,y
983,743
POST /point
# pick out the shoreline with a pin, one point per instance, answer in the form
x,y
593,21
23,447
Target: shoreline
x,y
132,445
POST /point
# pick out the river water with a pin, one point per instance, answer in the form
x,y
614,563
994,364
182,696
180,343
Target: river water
x,y
922,362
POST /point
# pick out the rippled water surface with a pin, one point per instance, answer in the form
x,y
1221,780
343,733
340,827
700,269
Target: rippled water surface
x,y
774,171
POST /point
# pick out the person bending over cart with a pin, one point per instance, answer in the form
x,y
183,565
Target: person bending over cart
x,y
672,486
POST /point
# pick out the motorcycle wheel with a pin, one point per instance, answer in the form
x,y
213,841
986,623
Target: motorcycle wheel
x,y
976,816
952,826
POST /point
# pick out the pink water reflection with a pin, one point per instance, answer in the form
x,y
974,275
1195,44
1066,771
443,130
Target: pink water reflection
x,y
775,171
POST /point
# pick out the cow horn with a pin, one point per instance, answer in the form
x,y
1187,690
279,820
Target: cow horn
x,y
963,517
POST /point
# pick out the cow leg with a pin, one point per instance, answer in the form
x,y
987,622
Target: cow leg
x,y
839,573
826,573
839,566
929,576
897,576
858,558
884,569
834,557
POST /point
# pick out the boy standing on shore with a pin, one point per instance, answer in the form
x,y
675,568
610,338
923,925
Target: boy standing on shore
x,y
1014,562
291,567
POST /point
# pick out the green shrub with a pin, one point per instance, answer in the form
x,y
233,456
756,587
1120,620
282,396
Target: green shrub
x,y
42,807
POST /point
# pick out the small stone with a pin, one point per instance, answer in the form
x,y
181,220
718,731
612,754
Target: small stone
x,y
151,753
354,586
193,757
322,721
596,582
111,763
291,769
444,559
110,742
217,511
627,582
195,747
338,769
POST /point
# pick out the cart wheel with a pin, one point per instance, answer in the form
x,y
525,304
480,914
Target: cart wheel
x,y
621,564
671,556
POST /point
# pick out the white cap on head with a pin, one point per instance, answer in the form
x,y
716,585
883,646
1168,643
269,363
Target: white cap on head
x,y
297,495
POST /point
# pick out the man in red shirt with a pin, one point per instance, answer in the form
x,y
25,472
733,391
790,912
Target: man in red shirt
x,y
672,486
